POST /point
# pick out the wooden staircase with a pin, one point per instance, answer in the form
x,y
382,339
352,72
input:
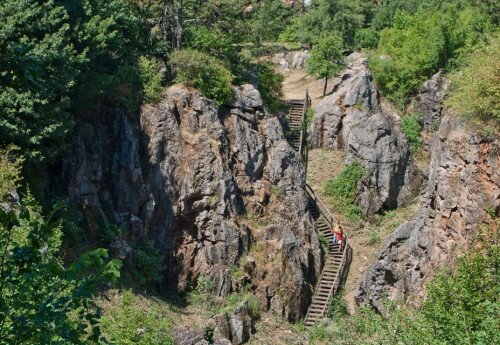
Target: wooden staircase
x,y
295,119
335,263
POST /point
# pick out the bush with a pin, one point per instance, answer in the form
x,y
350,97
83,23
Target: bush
x,y
366,38
476,89
204,72
342,190
411,127
41,300
148,264
309,118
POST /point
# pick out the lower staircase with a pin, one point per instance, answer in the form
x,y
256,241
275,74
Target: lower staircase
x,y
335,263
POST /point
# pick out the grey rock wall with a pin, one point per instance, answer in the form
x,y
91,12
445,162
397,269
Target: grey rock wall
x,y
353,119
187,175
463,184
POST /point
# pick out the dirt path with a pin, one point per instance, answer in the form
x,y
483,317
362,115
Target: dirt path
x,y
297,82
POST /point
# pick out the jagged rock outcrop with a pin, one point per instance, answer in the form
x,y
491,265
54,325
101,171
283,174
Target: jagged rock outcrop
x,y
462,189
429,101
237,326
352,118
192,177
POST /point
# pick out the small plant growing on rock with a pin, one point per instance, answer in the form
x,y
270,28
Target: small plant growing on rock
x,y
343,189
411,127
278,192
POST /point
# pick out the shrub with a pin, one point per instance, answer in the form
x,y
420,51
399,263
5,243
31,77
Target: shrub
x,y
411,127
309,118
366,38
41,300
204,72
148,264
476,89
342,190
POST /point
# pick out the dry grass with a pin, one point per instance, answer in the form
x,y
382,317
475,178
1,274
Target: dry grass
x,y
365,237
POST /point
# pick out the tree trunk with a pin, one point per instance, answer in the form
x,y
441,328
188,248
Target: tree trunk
x,y
172,23
325,86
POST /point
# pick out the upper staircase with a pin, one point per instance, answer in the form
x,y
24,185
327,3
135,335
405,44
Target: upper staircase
x,y
296,134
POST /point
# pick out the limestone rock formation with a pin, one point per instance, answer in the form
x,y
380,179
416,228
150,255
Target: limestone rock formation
x,y
428,102
193,178
352,118
463,186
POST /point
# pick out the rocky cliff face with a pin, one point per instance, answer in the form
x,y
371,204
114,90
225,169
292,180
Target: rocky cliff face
x,y
462,189
215,189
353,118
429,101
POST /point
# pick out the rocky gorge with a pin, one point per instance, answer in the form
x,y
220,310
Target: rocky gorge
x,y
195,179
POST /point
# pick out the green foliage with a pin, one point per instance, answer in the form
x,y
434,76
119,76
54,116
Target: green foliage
x,y
476,89
327,16
205,73
270,86
366,38
151,79
62,57
38,66
418,45
41,301
326,56
10,172
148,264
235,300
269,19
278,192
342,190
411,127
309,118
133,319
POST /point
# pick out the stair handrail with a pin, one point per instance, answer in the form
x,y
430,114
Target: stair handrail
x,y
303,122
321,206
336,281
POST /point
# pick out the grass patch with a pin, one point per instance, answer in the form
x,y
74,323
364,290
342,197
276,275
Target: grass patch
x,y
129,318
342,191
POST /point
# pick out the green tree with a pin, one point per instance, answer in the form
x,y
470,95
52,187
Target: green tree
x,y
326,16
326,58
38,70
41,301
476,88
269,19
